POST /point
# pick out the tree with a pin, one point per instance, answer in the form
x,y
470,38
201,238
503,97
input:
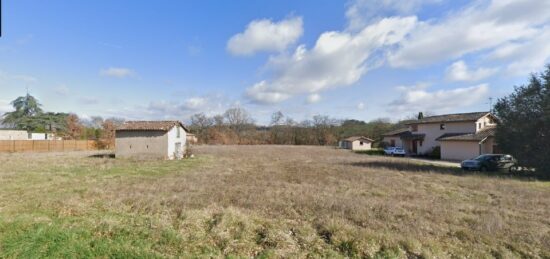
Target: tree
x,y
74,127
524,123
420,115
238,120
26,108
200,124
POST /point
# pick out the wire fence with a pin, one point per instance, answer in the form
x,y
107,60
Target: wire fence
x,y
47,145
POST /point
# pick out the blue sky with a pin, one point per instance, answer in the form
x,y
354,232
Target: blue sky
x,y
360,59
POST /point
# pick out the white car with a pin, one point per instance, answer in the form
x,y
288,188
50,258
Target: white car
x,y
394,151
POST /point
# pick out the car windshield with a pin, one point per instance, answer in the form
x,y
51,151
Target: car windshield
x,y
398,149
484,157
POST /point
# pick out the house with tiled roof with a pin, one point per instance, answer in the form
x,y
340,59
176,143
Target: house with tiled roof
x,y
459,136
151,140
356,143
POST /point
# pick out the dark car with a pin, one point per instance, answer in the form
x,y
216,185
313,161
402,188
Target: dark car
x,y
490,162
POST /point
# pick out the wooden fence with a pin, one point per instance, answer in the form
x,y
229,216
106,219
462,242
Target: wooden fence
x,y
47,145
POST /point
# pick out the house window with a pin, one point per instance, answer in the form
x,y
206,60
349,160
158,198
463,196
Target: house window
x,y
479,125
442,126
420,142
414,127
178,132
361,143
392,142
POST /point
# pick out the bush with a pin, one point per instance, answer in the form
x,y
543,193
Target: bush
x,y
435,153
371,152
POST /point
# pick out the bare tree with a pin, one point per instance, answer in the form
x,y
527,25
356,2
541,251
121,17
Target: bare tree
x,y
238,120
200,123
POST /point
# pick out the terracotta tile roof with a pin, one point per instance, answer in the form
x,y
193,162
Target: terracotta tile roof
x,y
354,138
149,125
472,116
478,136
396,132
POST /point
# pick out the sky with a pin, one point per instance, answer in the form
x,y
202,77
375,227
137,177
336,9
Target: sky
x,y
355,59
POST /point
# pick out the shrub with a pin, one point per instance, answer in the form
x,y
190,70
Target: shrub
x,y
435,153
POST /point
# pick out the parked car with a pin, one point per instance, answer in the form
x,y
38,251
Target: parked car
x,y
490,162
394,151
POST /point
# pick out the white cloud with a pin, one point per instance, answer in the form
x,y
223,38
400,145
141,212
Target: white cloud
x,y
337,59
313,98
525,57
418,98
362,12
360,106
119,72
266,35
195,103
459,71
481,26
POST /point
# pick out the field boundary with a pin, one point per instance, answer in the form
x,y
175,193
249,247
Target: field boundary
x,y
12,146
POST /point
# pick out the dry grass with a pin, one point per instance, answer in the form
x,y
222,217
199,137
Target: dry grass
x,y
265,201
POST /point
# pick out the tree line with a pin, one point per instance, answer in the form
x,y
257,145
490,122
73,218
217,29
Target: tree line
x,y
28,115
236,126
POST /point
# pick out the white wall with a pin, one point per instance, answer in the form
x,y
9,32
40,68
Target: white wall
x,y
433,131
173,139
484,121
14,135
459,150
356,145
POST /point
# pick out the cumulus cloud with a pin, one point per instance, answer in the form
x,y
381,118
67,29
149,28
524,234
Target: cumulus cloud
x,y
481,26
525,57
361,106
459,71
336,59
210,104
118,72
419,98
362,12
266,35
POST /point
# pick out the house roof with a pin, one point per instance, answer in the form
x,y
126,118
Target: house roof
x,y
457,117
354,138
478,136
396,132
149,126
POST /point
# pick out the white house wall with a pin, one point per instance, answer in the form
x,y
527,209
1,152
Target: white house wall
x,y
356,145
173,139
433,131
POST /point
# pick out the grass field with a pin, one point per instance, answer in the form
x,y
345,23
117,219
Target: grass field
x,y
265,201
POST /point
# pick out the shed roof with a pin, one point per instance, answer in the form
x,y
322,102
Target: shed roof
x,y
457,117
149,126
354,138
478,136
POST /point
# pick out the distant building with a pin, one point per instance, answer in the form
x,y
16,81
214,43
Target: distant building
x,y
460,136
356,143
151,139
12,134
